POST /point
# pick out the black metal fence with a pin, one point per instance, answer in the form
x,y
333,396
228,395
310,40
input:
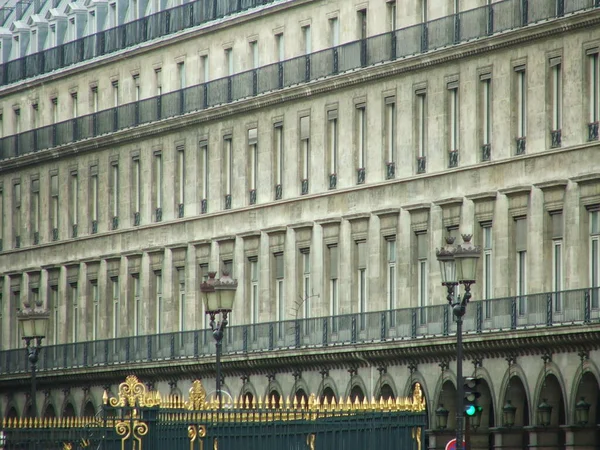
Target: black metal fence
x,y
480,22
142,420
532,311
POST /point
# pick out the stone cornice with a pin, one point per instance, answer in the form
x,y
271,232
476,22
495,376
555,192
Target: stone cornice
x,y
571,338
317,87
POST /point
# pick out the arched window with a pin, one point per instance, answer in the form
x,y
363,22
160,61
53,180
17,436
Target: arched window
x,y
274,399
69,410
386,392
355,393
328,394
49,412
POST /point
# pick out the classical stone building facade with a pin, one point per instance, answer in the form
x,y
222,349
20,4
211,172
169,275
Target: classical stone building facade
x,y
320,151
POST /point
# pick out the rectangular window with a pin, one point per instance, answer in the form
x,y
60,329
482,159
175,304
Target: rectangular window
x,y
254,54
114,199
279,47
181,290
54,103
453,117
74,105
424,11
306,294
254,300
521,249
116,313
421,123
180,180
204,68
159,300
278,129
136,184
391,10
137,304
390,133
229,61
55,313
158,185
94,91
136,87
112,15
54,205
594,87
228,165
94,197
95,292
333,280
487,267
391,273
332,142
361,139
486,109
115,86
74,202
521,102
35,210
181,74
556,98
74,312
17,121
595,257
307,39
334,29
361,265
253,163
422,275
158,80
557,259
204,170
304,152
279,290
17,213
362,24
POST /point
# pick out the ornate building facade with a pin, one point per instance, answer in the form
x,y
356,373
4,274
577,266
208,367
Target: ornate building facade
x,y
320,151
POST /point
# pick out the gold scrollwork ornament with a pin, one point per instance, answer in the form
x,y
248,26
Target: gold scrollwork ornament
x,y
310,441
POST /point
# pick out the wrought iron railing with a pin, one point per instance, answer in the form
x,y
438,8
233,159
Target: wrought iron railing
x,y
476,23
129,34
574,307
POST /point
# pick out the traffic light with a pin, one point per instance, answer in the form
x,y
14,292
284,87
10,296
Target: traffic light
x,y
471,396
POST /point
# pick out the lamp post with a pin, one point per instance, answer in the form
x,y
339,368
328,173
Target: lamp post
x,y
33,323
218,296
458,265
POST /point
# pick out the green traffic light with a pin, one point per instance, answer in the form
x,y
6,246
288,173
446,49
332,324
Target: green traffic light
x,y
470,410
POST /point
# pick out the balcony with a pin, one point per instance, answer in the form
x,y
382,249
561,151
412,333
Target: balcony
x,y
414,40
536,311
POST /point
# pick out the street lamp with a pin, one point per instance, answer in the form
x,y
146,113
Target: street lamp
x,y
582,412
441,415
218,296
508,414
33,323
544,411
458,265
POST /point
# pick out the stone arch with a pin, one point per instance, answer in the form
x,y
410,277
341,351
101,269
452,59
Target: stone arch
x,y
68,409
11,411
88,408
49,411
448,383
328,389
586,383
248,394
299,385
356,388
487,399
409,387
515,374
385,380
553,377
273,392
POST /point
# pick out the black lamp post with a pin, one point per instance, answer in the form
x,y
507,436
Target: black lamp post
x,y
218,296
33,323
458,265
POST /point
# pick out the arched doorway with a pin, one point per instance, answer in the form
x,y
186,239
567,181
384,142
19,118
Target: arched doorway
x,y
69,410
89,410
274,399
301,396
447,401
551,393
481,437
328,395
248,400
356,393
386,392
49,412
516,397
12,413
588,390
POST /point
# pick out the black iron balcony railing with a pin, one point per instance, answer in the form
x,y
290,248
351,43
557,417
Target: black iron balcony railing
x,y
130,34
575,307
476,23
